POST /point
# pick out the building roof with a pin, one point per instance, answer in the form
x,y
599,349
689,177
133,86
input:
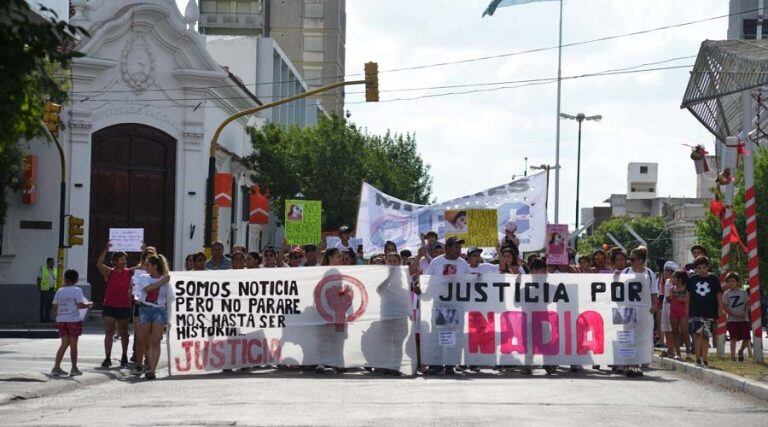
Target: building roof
x,y
723,70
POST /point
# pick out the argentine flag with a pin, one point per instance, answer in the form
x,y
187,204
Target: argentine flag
x,y
503,3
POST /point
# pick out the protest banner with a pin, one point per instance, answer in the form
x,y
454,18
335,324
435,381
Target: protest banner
x,y
352,316
557,244
382,217
126,239
556,319
477,227
303,222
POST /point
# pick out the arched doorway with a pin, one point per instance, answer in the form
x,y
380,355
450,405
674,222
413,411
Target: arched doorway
x,y
133,185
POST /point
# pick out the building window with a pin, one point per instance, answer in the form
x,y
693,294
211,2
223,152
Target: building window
x,y
313,43
313,9
650,190
749,29
633,189
644,169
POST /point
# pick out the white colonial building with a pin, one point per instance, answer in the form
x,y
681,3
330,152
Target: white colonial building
x,y
145,101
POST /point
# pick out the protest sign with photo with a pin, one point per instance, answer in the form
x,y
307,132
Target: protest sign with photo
x,y
335,316
126,239
382,217
556,319
477,227
557,244
303,222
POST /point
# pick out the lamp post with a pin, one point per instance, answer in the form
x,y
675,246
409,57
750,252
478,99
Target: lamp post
x,y
579,118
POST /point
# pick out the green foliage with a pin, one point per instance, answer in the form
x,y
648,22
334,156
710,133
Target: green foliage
x,y
709,231
651,229
32,50
329,162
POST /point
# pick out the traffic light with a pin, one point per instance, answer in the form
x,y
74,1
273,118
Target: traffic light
x,y
371,82
51,117
215,224
75,235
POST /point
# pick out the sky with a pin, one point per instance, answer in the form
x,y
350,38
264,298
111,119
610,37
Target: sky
x,y
480,140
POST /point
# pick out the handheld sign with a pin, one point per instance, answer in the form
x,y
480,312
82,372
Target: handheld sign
x,y
126,239
303,221
477,227
557,244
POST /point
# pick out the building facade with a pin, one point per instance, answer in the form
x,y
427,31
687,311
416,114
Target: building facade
x,y
144,103
312,33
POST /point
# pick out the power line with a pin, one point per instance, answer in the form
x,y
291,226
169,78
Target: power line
x,y
462,61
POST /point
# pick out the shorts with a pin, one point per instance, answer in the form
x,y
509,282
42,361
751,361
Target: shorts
x,y
136,309
69,329
700,325
738,330
149,314
119,313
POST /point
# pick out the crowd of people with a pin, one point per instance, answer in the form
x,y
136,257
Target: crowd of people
x,y
686,301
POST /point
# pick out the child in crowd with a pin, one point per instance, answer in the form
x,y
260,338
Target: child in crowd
x,y
735,302
676,296
66,308
704,303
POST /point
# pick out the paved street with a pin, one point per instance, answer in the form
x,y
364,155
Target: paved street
x,y
291,398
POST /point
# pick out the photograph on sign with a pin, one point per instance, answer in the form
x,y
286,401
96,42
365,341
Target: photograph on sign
x,y
303,222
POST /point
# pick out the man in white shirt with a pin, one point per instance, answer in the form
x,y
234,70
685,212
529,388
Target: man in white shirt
x,y
451,262
344,234
476,264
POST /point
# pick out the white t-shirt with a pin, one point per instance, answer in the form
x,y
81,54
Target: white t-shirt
x,y
440,266
344,248
135,280
156,298
651,277
423,265
484,268
66,300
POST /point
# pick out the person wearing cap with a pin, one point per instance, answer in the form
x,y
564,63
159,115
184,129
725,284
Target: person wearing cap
x,y
510,236
450,262
476,264
665,286
344,234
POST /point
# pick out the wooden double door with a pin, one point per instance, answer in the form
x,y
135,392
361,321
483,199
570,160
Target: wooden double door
x,y
133,185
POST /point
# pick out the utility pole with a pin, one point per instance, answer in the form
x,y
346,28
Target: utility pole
x,y
371,83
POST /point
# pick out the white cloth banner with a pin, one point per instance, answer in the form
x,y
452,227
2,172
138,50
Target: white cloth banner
x,y
555,319
382,217
335,316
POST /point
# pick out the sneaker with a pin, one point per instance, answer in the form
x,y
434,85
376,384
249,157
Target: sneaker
x,y
149,376
320,369
526,371
58,372
124,361
550,369
451,370
137,370
106,363
75,372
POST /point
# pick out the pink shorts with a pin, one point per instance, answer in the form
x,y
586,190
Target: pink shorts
x,y
69,329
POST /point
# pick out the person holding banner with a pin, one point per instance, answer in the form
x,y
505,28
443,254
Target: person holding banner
x,y
116,311
618,260
152,311
637,259
218,261
253,260
509,261
599,262
331,257
199,261
238,261
311,256
296,258
138,271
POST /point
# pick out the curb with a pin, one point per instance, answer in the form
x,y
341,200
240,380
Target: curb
x,y
727,380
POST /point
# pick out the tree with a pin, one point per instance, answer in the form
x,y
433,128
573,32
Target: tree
x,y
651,229
33,52
330,161
709,230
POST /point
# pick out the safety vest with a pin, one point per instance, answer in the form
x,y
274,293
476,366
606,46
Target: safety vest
x,y
45,278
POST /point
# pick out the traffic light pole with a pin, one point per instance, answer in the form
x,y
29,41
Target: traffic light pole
x,y
62,207
209,196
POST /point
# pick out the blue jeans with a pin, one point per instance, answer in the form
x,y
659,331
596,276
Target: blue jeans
x,y
148,314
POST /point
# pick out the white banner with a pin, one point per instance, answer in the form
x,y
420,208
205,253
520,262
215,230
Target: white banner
x,y
382,217
334,316
555,319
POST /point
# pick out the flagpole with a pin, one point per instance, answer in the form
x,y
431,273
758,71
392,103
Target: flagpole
x,y
557,117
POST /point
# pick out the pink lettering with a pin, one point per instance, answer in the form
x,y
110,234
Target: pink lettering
x,y
590,321
482,334
568,334
186,345
538,318
513,333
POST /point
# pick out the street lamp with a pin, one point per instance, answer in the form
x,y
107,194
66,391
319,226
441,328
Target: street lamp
x,y
579,118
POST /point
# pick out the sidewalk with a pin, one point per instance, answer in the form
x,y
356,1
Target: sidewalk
x,y
25,366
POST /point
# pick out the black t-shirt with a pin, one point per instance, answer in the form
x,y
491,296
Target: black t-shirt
x,y
703,292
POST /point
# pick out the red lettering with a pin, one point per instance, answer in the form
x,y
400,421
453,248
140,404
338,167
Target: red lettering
x,y
233,351
568,334
513,332
275,352
538,318
482,333
254,360
186,345
589,321
218,354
